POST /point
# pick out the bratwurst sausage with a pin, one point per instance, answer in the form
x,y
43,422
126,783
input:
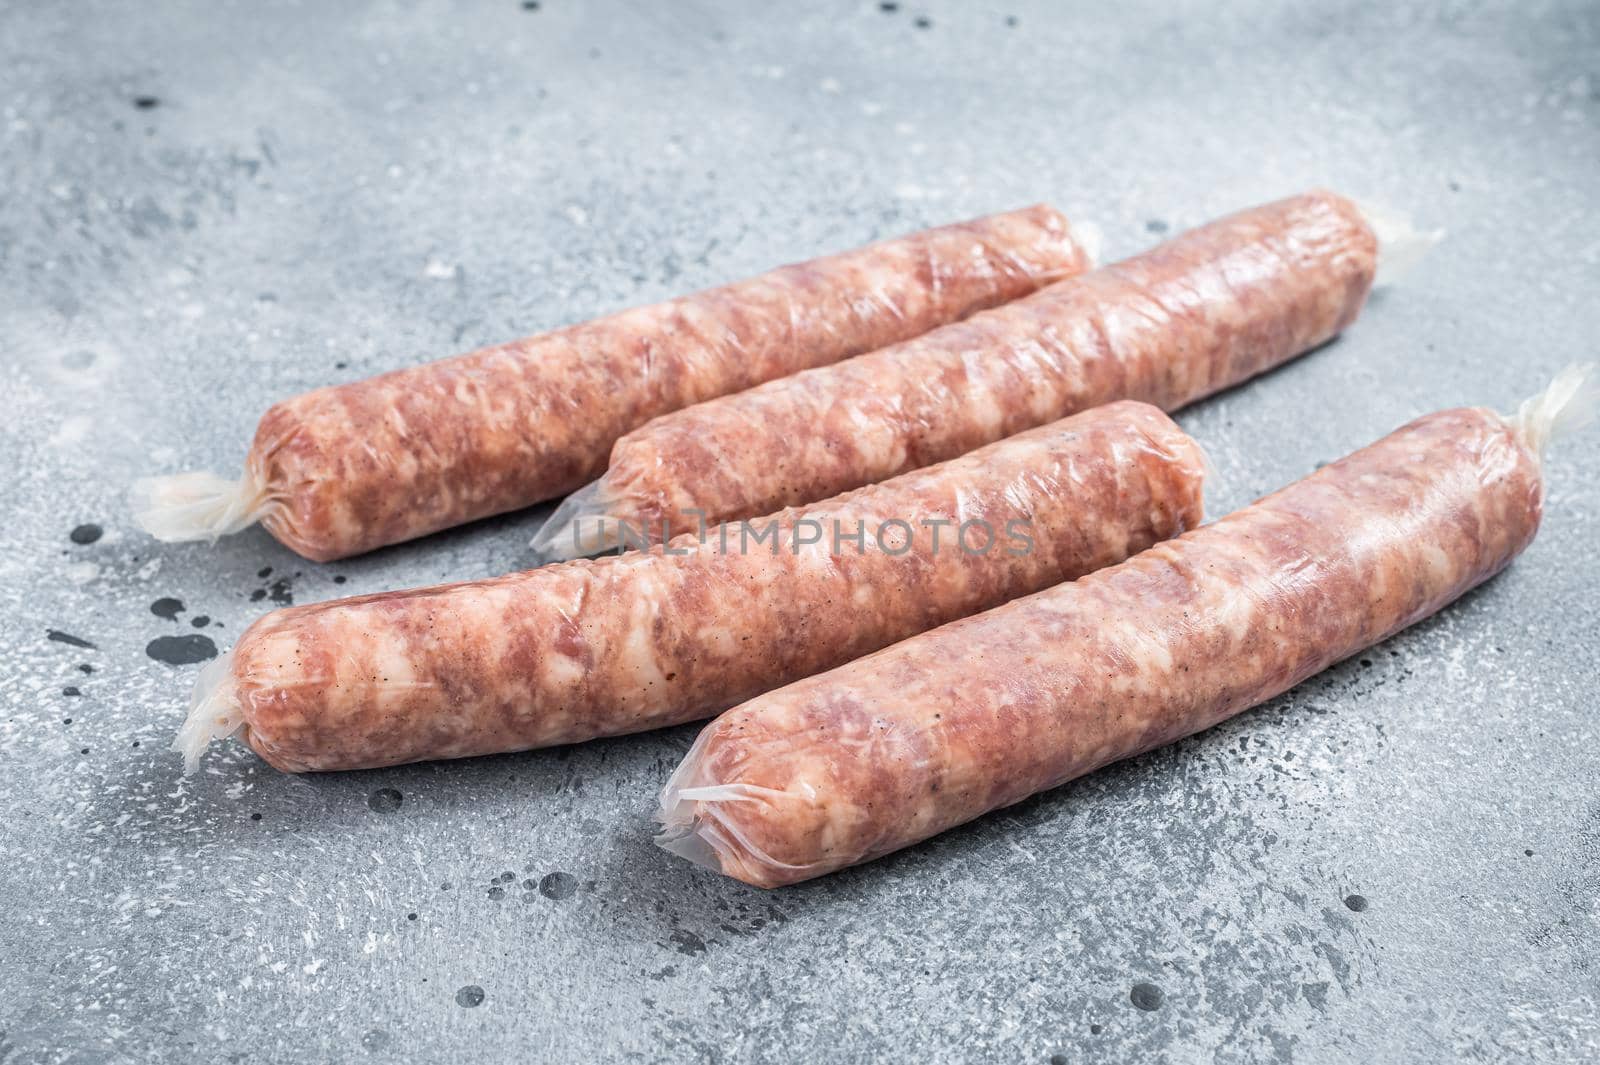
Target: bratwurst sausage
x,y
889,750
346,469
1197,314
596,648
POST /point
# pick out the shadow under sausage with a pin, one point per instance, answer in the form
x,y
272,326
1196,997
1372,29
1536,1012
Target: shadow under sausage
x,y
1251,383
503,538
687,910
995,841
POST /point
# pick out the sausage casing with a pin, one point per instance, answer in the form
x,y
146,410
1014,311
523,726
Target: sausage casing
x,y
346,469
1194,315
593,648
883,752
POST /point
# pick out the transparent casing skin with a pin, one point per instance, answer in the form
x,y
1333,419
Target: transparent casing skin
x,y
892,748
346,469
1196,314
642,640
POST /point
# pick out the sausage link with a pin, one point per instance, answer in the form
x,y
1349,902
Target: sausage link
x,y
1199,313
346,469
891,749
647,639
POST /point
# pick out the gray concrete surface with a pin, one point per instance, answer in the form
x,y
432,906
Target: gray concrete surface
x,y
204,207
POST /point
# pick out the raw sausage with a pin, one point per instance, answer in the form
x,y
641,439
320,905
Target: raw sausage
x,y
346,469
1194,315
638,641
889,750
593,648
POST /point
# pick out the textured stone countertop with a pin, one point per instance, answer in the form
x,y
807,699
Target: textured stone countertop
x,y
208,206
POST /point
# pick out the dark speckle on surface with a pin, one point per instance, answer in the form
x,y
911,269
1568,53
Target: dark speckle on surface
x,y
70,691
376,1039
200,621
67,638
470,996
1156,225
87,533
1355,903
1058,1059
255,817
385,801
496,893
1146,996
167,607
1316,993
181,650
890,6
687,943
146,103
922,22
1095,1029
558,886
530,5
340,579
264,572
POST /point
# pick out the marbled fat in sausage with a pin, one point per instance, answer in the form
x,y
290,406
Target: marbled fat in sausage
x,y
883,752
1194,315
346,469
647,639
